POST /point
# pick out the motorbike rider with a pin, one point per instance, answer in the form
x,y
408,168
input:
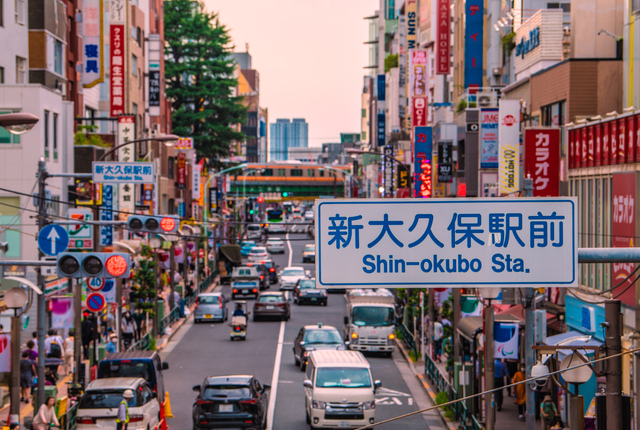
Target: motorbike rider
x,y
239,311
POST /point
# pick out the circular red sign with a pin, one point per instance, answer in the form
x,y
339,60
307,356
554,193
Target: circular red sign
x,y
116,265
167,224
96,302
95,284
509,120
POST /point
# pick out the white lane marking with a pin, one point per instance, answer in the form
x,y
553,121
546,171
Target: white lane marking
x,y
410,401
290,250
274,380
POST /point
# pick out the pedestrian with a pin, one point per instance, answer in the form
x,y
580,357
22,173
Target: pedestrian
x,y
34,338
548,413
87,331
123,410
31,349
27,373
128,328
438,334
112,344
69,344
54,348
164,279
46,418
520,391
501,372
138,317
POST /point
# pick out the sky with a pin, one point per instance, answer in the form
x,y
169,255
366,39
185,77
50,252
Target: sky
x,y
310,55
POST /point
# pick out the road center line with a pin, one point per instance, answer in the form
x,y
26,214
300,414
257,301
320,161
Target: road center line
x,y
290,250
274,380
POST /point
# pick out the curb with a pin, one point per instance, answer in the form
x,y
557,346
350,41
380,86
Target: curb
x,y
452,425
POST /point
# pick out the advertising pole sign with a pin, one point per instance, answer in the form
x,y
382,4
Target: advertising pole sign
x,y
419,111
447,242
623,229
382,127
388,174
181,170
106,214
473,51
542,160
154,57
126,133
213,199
489,120
411,12
443,37
93,40
117,49
423,144
509,148
445,161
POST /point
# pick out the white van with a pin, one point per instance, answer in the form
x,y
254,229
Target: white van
x,y
339,390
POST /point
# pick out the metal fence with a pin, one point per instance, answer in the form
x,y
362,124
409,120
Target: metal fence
x,y
408,339
68,420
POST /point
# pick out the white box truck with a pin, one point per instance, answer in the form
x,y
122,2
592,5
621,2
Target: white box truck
x,y
369,323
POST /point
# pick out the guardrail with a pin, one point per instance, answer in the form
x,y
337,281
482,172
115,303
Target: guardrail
x,y
408,338
68,420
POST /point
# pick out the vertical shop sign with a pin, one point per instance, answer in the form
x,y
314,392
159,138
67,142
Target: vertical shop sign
x,y
195,178
411,12
213,199
419,111
509,147
423,144
181,170
153,61
473,44
117,49
623,230
382,130
445,162
126,133
542,160
93,42
443,37
489,138
418,73
388,176
106,214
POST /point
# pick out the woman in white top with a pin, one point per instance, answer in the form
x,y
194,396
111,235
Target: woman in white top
x,y
68,352
46,415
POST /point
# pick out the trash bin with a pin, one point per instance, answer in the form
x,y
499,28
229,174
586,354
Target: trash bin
x,y
49,391
160,310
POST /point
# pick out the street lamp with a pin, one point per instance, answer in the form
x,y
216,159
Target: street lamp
x,y
18,123
15,299
168,139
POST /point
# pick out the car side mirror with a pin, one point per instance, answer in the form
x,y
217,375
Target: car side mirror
x,y
307,383
376,384
165,366
266,387
347,343
302,343
196,388
346,320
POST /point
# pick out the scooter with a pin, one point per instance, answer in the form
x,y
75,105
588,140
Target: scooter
x,y
239,323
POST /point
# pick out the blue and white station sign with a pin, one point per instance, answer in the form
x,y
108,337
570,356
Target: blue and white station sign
x,y
123,173
53,239
447,242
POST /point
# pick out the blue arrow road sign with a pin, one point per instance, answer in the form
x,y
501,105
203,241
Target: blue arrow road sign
x,y
53,239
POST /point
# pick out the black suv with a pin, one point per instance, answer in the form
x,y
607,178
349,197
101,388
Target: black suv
x,y
264,274
273,271
313,338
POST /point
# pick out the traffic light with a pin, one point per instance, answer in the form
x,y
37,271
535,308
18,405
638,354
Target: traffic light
x,y
260,199
93,265
285,194
153,224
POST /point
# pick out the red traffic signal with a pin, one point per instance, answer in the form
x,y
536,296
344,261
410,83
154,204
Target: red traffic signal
x,y
93,265
260,199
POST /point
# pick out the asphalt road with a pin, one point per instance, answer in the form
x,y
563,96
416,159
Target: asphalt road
x,y
201,350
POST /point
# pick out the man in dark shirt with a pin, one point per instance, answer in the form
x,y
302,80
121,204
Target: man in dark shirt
x,y
87,331
501,372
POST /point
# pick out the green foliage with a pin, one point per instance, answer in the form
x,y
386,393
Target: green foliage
x,y
508,42
414,356
443,397
200,78
152,344
144,283
399,335
462,105
391,62
85,136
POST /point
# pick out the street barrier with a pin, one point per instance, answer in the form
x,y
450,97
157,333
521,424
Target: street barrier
x,y
68,420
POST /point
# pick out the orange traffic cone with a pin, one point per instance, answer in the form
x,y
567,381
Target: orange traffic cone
x,y
167,406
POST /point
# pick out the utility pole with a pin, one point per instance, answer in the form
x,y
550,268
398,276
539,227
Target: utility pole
x,y
613,318
489,369
172,262
41,326
77,324
529,334
156,273
457,293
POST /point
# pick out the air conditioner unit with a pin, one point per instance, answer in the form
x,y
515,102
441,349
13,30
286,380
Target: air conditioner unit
x,y
487,99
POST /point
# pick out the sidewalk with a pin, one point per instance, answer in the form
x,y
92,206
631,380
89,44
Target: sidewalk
x,y
26,409
506,419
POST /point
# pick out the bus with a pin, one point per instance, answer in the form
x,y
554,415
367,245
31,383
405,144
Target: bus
x,y
274,222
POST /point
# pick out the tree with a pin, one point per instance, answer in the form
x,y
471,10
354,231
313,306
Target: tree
x,y
200,78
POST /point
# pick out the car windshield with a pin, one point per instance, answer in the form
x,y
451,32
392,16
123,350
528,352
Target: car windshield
x,y
307,284
372,315
208,300
268,264
275,242
258,250
213,392
293,272
245,272
253,227
104,399
343,377
134,369
310,248
270,299
322,337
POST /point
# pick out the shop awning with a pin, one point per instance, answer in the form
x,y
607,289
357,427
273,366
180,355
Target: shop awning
x,y
572,338
468,326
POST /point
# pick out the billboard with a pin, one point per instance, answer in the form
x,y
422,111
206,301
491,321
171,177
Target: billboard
x,y
181,170
489,138
93,41
423,167
418,73
473,44
445,161
126,154
443,37
509,147
419,111
542,160
623,230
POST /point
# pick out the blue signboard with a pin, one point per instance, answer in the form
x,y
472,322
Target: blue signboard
x,y
489,119
382,131
381,88
53,239
106,214
423,167
473,39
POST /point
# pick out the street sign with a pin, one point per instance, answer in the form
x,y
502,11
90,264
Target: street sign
x,y
53,239
95,284
96,302
109,290
447,242
81,234
123,173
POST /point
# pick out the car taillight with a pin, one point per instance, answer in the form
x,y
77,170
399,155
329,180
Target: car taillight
x,y
237,328
235,291
282,305
136,418
85,420
204,402
255,290
272,270
261,277
221,304
248,402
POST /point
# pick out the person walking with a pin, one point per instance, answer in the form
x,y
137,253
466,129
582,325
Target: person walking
x,y
27,373
111,345
548,413
520,391
501,372
438,334
128,328
123,410
46,418
68,352
87,331
31,349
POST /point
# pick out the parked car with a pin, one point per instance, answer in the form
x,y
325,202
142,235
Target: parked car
x,y
234,401
290,276
305,291
139,364
258,253
275,245
309,253
263,271
271,304
273,270
246,247
254,231
309,215
210,307
315,338
98,407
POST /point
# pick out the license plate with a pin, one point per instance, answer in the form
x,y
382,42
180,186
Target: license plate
x,y
313,299
270,308
344,424
245,291
225,408
208,316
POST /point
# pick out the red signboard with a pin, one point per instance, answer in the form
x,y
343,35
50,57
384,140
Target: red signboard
x,y
419,111
182,169
542,160
622,147
623,230
606,152
590,146
598,151
443,38
613,141
630,141
584,153
117,69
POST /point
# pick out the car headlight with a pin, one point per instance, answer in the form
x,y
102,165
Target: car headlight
x,y
369,405
317,404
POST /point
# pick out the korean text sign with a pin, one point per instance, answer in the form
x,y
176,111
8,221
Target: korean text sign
x,y
446,242
542,160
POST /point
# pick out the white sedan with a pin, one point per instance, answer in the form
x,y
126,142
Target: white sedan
x,y
258,253
275,245
290,276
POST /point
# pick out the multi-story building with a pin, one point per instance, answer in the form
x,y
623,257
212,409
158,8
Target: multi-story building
x,y
249,89
285,134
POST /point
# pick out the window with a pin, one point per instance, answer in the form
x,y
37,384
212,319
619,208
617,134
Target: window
x,y
281,172
566,7
553,114
311,172
5,136
139,36
46,134
1,68
20,11
55,136
296,172
11,218
134,65
267,172
21,70
58,57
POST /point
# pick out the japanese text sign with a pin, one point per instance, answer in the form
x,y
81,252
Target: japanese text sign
x,y
93,43
119,173
623,228
489,138
445,162
81,234
117,40
106,214
184,143
509,146
126,154
443,37
154,88
418,71
446,242
473,44
423,146
388,163
181,170
419,111
542,160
